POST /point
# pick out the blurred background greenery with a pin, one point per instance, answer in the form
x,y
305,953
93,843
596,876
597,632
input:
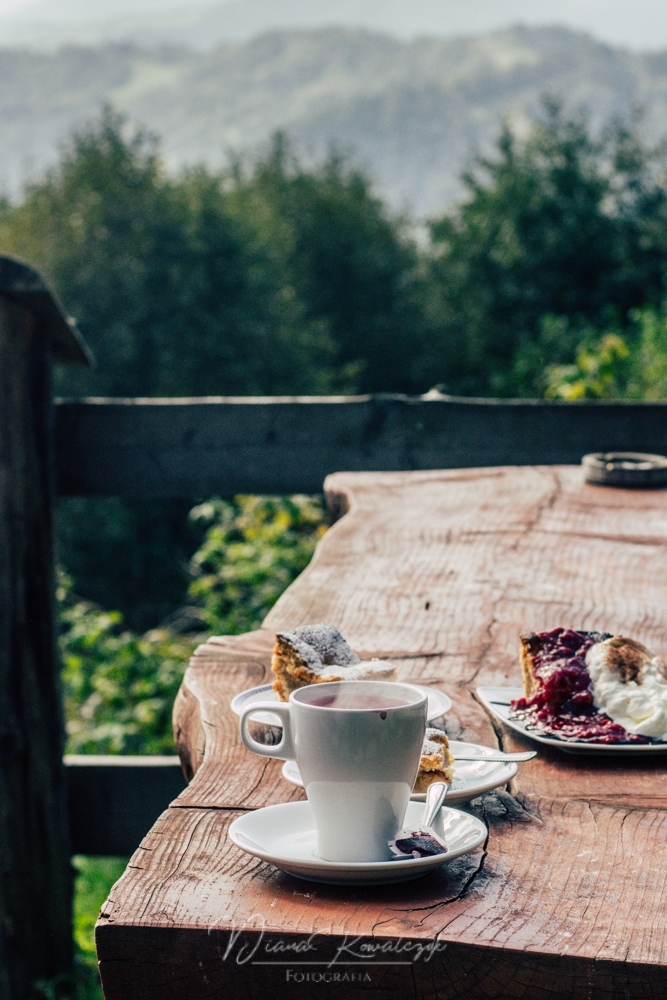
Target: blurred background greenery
x,y
120,684
546,279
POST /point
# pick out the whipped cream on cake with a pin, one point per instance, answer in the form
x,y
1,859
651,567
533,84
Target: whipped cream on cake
x,y
592,686
629,685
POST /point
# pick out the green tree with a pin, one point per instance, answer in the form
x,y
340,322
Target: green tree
x,y
266,280
176,294
564,225
647,378
352,265
131,555
119,686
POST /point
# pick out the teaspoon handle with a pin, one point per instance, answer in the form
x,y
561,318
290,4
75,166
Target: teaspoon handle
x,y
435,796
500,757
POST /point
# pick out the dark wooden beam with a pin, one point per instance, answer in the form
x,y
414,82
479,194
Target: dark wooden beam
x,y
21,283
202,447
114,801
35,885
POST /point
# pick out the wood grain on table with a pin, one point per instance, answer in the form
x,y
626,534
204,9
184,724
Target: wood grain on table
x,y
438,571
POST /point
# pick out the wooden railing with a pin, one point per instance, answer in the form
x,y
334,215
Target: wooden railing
x,y
222,446
114,801
170,448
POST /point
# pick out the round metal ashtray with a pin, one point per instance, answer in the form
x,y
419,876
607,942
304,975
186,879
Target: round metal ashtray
x,y
625,468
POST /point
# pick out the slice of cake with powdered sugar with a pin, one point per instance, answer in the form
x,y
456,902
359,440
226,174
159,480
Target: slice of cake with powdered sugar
x,y
436,762
315,654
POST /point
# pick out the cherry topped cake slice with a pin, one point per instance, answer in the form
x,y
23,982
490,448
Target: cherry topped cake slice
x,y
315,654
592,687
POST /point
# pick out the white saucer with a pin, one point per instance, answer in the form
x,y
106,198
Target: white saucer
x,y
471,778
438,702
285,836
497,701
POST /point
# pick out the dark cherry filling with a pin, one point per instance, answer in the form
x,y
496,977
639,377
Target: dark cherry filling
x,y
563,704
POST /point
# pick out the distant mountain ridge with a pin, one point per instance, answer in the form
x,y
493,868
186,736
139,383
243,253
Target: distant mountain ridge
x,y
410,112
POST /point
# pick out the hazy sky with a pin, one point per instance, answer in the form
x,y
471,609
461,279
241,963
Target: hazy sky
x,y
79,8
634,23
123,6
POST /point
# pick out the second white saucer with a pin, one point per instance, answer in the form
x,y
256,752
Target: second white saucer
x,y
471,777
438,702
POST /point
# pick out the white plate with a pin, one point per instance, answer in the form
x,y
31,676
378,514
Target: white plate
x,y
497,701
471,778
285,836
438,702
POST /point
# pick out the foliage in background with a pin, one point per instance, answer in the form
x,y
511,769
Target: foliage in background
x,y
599,371
119,686
613,367
273,277
565,224
647,378
252,551
175,295
272,280
348,261
93,880
128,554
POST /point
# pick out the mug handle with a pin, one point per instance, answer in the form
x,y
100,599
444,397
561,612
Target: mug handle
x,y
285,749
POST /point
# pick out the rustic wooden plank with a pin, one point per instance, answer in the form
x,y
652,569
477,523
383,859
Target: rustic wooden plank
x,y
114,801
483,548
439,571
508,921
200,447
502,975
198,880
206,729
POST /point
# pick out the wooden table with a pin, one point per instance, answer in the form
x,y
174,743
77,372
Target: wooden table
x,y
438,571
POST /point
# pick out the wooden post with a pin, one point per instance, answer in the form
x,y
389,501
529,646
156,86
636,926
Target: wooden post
x,y
35,870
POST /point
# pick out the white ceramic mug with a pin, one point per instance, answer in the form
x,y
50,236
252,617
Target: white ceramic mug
x,y
358,752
